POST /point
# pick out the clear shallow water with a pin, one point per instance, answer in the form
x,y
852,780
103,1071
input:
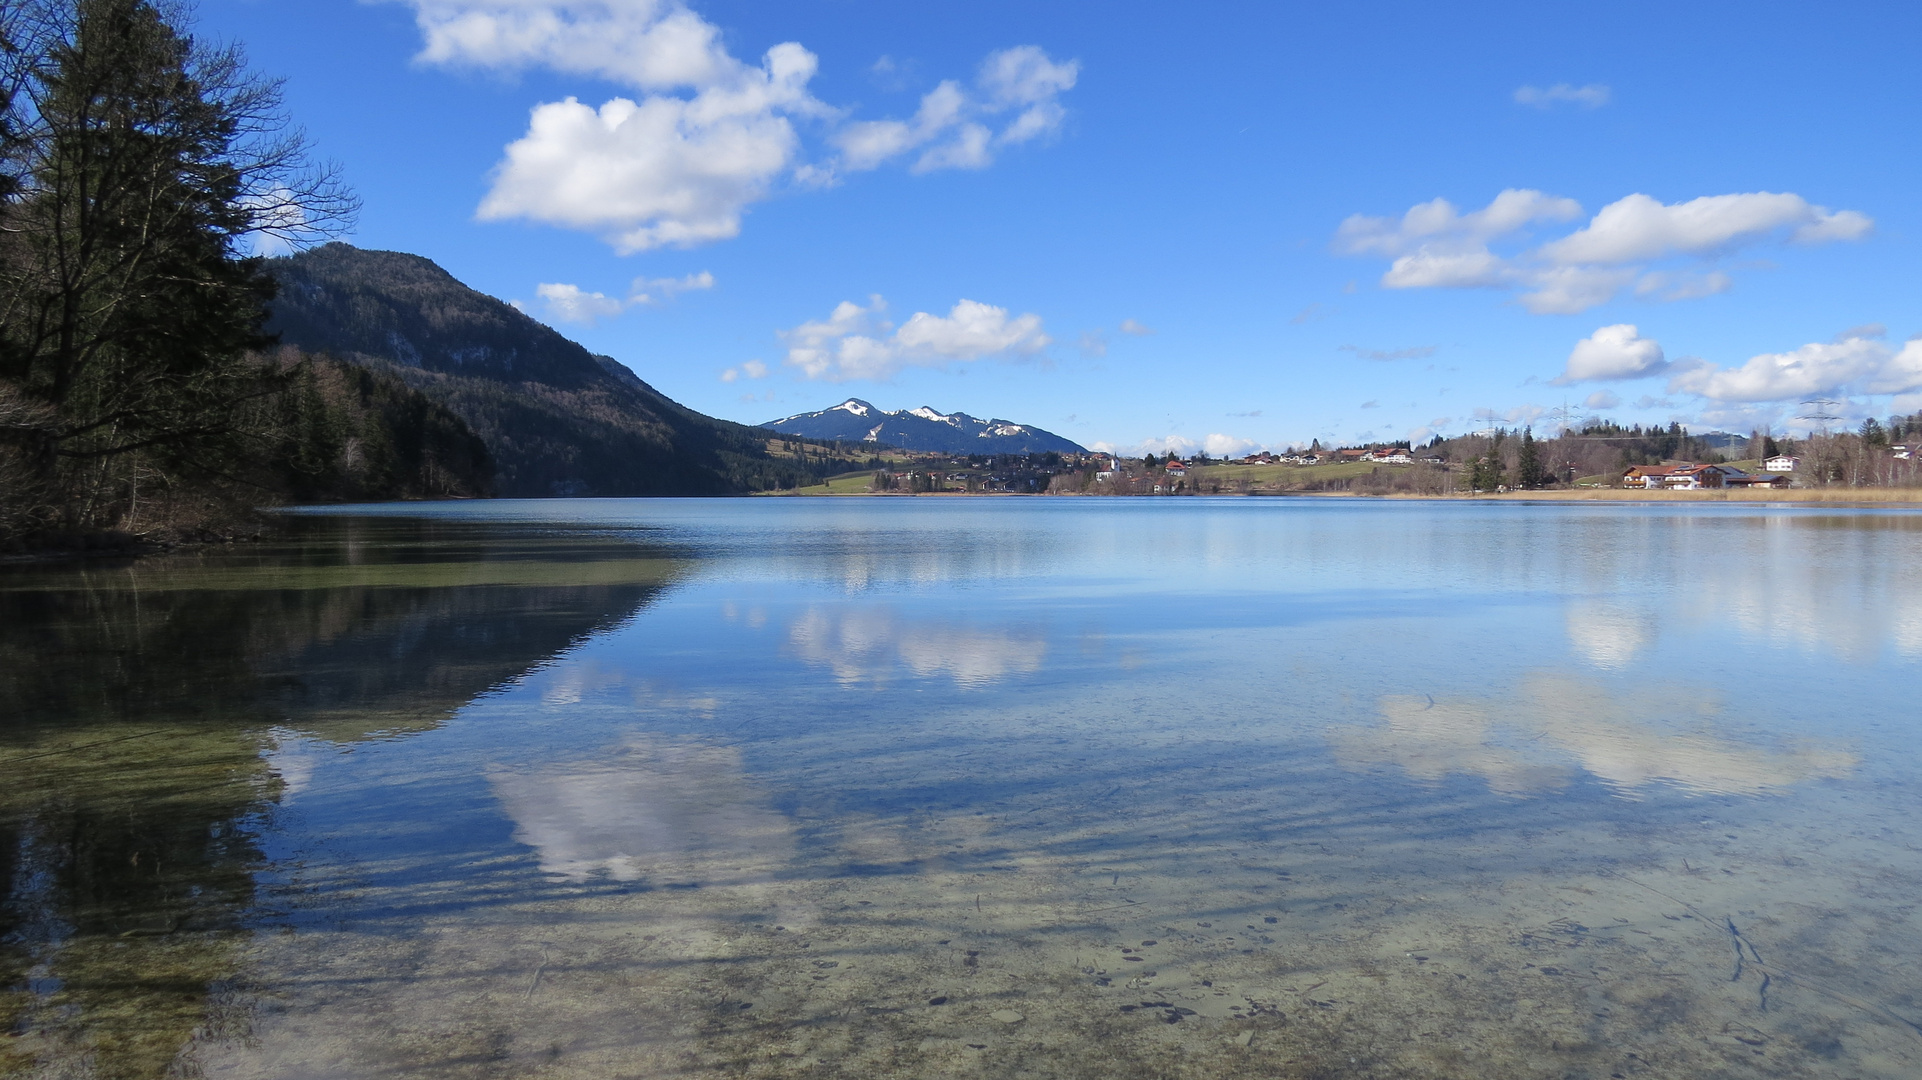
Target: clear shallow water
x,y
972,787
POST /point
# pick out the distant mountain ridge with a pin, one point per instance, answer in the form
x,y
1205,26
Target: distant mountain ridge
x,y
924,428
556,418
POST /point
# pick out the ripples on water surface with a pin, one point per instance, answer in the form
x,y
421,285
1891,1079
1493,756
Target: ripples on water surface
x,y
972,788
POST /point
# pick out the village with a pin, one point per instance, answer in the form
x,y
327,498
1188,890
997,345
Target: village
x,y
1488,462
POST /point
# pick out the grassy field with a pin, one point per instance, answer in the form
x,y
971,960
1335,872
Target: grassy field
x,y
854,483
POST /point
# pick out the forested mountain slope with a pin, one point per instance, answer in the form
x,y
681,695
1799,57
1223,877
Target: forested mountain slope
x,y
557,419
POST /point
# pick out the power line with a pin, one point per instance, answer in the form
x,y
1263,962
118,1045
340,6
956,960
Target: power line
x,y
1821,412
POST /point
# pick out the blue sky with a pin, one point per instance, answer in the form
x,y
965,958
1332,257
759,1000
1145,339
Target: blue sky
x,y
1151,225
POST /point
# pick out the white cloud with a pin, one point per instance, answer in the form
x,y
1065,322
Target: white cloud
x,y
668,170
1601,399
854,342
1428,269
1861,363
573,304
709,134
953,128
1129,326
1571,290
1901,373
1637,228
1614,352
650,291
641,175
1521,415
1592,96
1225,446
1179,445
1436,246
1438,222
752,369
1094,343
1672,286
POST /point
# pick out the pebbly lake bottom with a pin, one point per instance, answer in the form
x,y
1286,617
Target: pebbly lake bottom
x,y
761,788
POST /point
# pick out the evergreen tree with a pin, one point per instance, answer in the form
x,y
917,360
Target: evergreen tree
x,y
1529,472
138,166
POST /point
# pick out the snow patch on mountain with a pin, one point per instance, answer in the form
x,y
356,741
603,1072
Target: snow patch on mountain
x,y
923,428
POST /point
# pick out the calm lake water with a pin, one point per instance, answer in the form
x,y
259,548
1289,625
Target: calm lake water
x,y
929,788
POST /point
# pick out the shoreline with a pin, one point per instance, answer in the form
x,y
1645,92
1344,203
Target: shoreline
x,y
1814,496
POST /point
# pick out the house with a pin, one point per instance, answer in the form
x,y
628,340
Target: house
x,y
1646,476
1352,455
1105,468
1700,477
1433,459
1746,482
1901,451
1389,455
1175,467
1263,458
1782,463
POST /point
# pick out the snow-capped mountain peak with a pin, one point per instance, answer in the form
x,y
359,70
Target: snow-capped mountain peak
x,y
927,413
924,428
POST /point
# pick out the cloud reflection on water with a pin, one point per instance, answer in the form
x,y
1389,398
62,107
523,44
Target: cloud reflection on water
x,y
865,644
649,808
1535,740
1609,636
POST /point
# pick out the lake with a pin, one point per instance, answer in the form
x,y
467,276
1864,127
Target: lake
x,y
972,787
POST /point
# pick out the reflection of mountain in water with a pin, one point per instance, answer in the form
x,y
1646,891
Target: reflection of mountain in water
x,y
135,709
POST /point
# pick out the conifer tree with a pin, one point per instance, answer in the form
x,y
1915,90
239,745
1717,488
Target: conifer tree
x,y
1529,472
138,165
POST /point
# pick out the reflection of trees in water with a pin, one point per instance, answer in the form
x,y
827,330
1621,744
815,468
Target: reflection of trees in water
x,y
138,701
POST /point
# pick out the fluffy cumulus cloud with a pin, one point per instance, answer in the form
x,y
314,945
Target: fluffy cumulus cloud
x,y
1638,228
708,134
1861,364
564,303
1592,96
1614,352
1015,99
858,342
1434,245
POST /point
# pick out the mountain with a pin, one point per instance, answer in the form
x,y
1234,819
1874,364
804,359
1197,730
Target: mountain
x,y
856,421
1722,440
556,419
